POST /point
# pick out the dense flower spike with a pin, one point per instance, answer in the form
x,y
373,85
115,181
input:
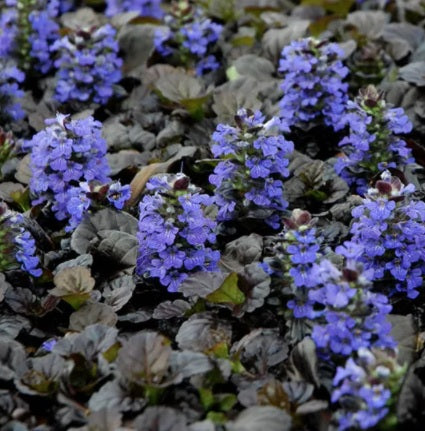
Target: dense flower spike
x,y
351,316
27,29
372,143
88,65
295,250
148,8
8,27
10,93
17,245
365,388
189,38
253,162
387,232
175,236
312,83
62,155
45,32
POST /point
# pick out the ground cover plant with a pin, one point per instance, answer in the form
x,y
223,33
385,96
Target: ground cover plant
x,y
212,215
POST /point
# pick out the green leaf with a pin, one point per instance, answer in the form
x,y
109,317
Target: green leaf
x,y
22,198
228,292
221,350
243,41
227,401
111,354
232,73
195,107
340,7
320,25
207,398
217,417
77,300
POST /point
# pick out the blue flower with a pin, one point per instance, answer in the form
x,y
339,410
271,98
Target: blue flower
x,y
189,39
312,84
118,195
388,226
363,387
253,159
24,246
64,155
175,236
10,93
146,8
88,65
372,143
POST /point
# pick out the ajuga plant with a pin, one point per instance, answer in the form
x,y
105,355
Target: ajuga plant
x,y
88,65
348,314
372,143
190,38
350,321
27,29
65,153
145,8
10,92
368,64
313,84
387,230
17,245
176,236
253,160
294,251
366,388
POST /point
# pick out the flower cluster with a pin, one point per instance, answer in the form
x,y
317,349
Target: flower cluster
x,y
175,235
387,231
189,38
17,245
64,154
88,65
27,29
365,388
372,143
253,161
10,78
83,197
8,28
351,316
312,84
295,250
148,8
45,32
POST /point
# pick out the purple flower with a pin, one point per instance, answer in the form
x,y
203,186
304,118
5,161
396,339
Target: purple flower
x,y
147,8
254,155
63,155
18,242
49,344
386,232
312,84
117,194
364,386
45,32
174,234
371,144
88,65
189,40
10,93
